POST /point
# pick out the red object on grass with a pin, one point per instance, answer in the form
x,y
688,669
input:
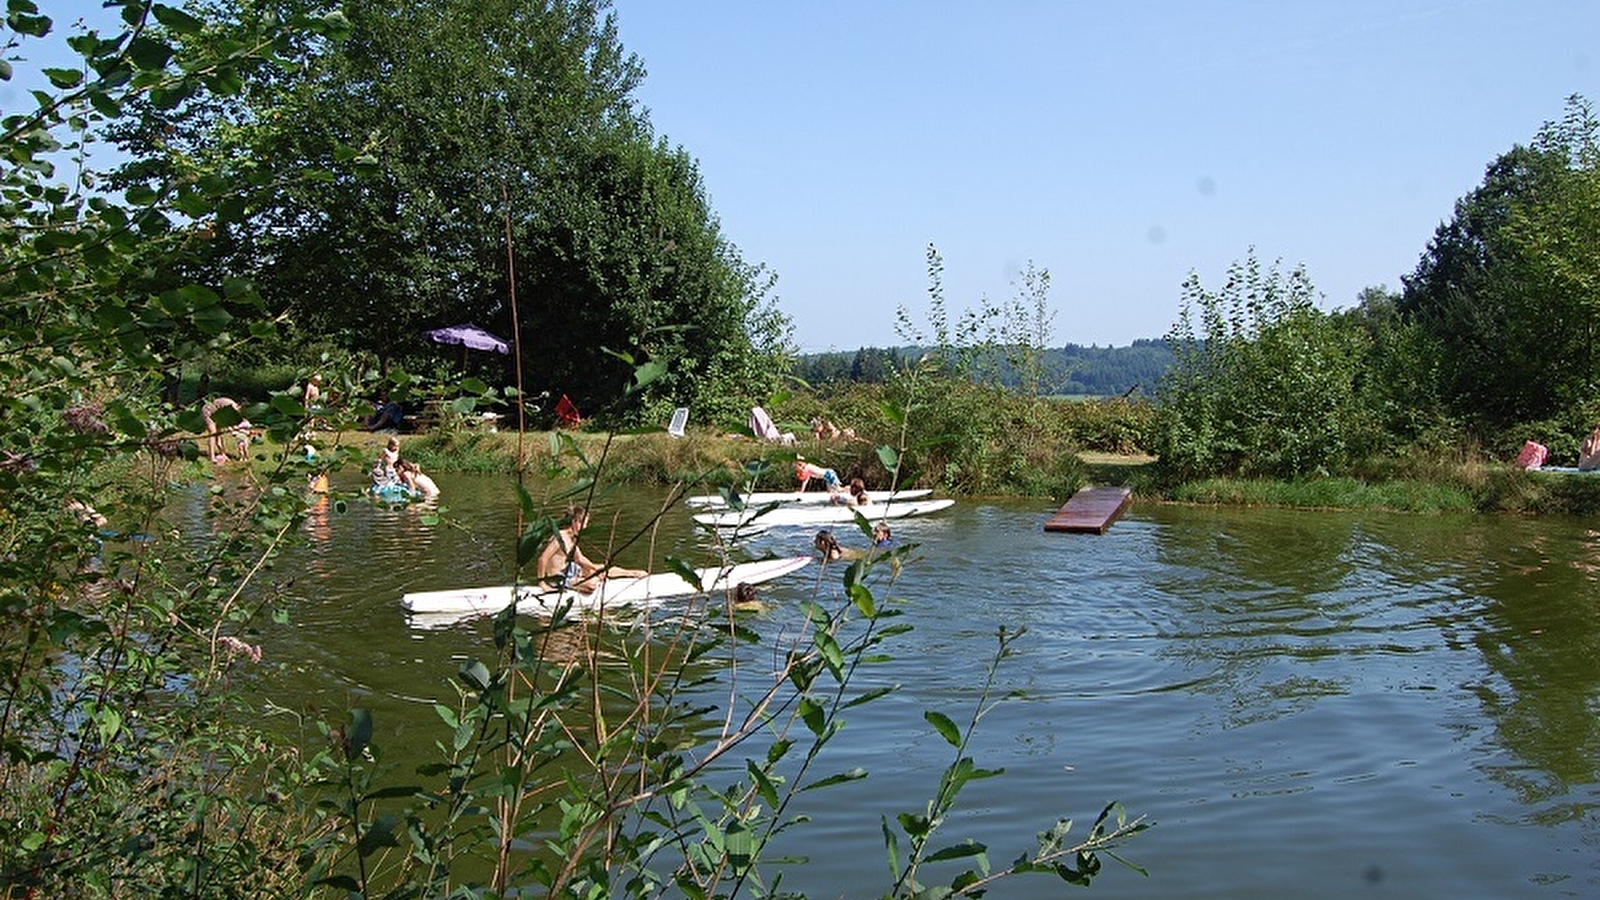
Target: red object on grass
x,y
567,415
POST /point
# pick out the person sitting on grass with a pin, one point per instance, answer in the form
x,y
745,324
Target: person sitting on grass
x,y
387,415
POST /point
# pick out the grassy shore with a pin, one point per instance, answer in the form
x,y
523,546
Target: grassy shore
x,y
703,458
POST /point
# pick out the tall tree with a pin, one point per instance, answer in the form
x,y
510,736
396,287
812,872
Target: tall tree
x,y
447,122
1262,381
1506,288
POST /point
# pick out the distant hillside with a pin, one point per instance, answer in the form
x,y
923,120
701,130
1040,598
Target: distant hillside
x,y
1072,370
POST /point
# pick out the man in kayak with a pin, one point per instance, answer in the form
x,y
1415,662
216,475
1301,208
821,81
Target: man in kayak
x,y
561,558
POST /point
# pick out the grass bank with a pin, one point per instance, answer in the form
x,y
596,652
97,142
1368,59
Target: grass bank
x,y
1056,469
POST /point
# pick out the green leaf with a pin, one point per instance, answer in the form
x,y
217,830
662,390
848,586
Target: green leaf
x,y
855,774
212,319
226,82
685,571
963,850
22,23
149,54
915,826
105,104
447,715
813,715
740,845
831,652
381,833
475,674
644,375
176,20
871,695
763,784
392,792
109,723
888,456
891,843
946,728
285,405
63,78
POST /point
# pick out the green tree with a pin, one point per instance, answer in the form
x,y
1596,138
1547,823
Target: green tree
x,y
1397,401
1262,382
485,151
126,766
1025,328
1506,288
624,263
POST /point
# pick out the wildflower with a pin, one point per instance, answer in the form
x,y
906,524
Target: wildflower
x,y
86,419
236,647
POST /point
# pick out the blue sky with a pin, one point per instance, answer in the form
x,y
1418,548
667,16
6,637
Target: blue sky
x,y
1119,145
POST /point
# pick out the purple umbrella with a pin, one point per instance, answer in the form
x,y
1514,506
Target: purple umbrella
x,y
469,335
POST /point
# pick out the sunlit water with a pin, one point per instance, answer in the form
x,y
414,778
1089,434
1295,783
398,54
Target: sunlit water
x,y
1309,704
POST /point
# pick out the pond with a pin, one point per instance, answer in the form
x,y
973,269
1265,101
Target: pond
x,y
1308,704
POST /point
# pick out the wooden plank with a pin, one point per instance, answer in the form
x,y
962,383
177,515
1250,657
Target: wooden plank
x,y
1091,510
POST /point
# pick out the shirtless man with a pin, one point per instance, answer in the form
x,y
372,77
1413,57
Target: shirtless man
x,y
562,559
214,445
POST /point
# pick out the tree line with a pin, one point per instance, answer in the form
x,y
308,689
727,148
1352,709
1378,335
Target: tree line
x,y
1491,341
476,161
1072,370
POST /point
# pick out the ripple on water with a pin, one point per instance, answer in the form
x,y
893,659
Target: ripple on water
x,y
1309,704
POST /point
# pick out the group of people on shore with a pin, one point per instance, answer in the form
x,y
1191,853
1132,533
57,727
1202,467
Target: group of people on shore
x,y
823,430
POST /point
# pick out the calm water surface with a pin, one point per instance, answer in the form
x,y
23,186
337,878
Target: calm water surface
x,y
1309,704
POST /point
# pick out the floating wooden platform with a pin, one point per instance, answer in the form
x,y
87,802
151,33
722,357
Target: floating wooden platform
x,y
1091,510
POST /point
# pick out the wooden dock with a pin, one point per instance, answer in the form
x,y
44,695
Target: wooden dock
x,y
1091,510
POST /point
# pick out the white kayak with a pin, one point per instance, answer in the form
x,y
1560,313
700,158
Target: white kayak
x,y
762,498
827,514
612,592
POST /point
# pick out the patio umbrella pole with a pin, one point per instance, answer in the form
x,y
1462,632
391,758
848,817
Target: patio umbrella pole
x,y
516,320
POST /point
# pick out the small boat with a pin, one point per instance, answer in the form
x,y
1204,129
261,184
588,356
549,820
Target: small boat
x,y
762,498
393,493
643,591
827,514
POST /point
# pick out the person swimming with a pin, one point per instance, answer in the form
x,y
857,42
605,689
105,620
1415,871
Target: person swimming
x,y
881,535
827,546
